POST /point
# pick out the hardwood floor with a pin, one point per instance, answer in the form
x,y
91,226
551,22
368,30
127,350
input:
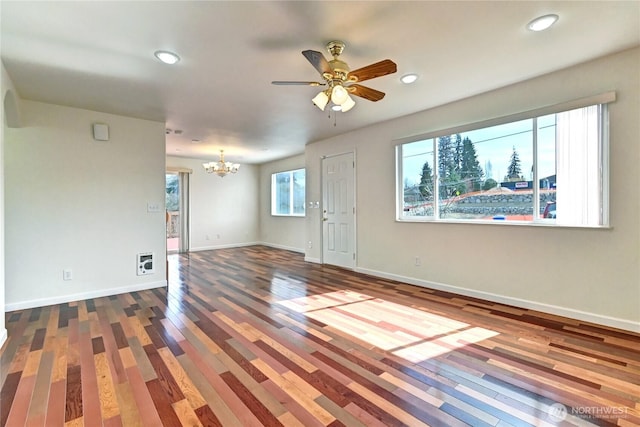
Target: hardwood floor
x,y
255,336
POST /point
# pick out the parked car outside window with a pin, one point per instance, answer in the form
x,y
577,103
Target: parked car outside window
x,y
549,210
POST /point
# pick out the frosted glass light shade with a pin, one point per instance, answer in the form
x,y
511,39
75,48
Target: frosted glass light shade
x,y
339,95
348,104
321,100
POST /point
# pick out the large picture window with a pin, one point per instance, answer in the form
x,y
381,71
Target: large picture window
x,y
548,169
288,193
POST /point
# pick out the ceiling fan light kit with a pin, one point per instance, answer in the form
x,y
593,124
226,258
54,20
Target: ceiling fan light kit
x,y
340,80
339,94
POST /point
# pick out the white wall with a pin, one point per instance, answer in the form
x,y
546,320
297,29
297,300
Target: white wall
x,y
591,274
235,210
3,330
11,117
280,231
75,203
224,211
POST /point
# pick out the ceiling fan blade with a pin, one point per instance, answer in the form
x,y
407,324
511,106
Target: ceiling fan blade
x,y
365,92
318,61
293,83
372,71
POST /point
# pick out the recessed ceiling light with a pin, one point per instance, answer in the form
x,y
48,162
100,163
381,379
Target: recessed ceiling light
x,y
409,78
542,23
166,56
195,141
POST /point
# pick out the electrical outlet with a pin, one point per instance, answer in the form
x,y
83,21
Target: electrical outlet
x,y
418,261
310,244
67,274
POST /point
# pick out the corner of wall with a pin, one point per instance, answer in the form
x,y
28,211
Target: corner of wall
x,y
6,89
3,337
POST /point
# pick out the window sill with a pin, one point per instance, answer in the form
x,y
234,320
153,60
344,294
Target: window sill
x,y
502,223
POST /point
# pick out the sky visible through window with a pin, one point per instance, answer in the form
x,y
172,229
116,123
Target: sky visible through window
x,y
495,145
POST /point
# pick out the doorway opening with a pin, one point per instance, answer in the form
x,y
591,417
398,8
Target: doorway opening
x,y
172,204
177,207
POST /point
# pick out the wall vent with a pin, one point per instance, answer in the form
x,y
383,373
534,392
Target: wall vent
x,y
145,263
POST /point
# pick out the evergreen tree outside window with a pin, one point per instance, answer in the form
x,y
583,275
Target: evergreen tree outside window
x,y
426,182
418,192
288,193
514,172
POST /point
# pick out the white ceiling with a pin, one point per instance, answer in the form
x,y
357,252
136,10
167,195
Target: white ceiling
x,y
99,56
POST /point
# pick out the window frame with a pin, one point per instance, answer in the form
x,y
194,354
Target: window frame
x,y
601,99
274,198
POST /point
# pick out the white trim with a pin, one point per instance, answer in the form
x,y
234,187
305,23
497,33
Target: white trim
x,y
42,302
228,246
283,247
178,169
241,245
274,191
313,260
599,319
3,337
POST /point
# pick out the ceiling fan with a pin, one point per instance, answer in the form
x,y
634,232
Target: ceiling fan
x,y
340,80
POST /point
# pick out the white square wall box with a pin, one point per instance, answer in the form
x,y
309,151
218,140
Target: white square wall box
x,y
100,132
145,263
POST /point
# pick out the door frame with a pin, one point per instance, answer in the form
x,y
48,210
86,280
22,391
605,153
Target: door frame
x,y
354,234
184,203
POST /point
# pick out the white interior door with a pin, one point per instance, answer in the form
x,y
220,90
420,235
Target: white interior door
x,y
338,211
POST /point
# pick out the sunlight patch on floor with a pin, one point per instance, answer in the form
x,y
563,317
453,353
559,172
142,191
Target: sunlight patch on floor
x,y
407,332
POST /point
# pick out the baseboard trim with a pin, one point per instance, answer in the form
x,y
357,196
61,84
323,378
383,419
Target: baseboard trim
x,y
241,245
42,302
313,260
283,247
517,302
227,246
3,337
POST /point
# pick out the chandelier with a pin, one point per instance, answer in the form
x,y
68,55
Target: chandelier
x,y
221,168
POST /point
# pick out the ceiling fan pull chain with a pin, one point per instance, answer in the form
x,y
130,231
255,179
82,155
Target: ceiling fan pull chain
x,y
335,116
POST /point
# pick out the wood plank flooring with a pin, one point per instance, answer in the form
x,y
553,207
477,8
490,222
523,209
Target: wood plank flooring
x,y
257,337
